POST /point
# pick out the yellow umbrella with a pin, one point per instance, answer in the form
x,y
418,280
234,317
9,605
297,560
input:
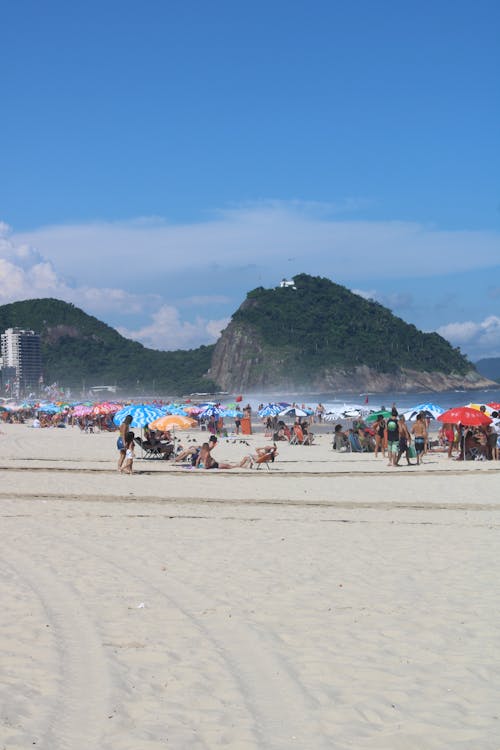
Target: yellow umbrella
x,y
173,421
487,409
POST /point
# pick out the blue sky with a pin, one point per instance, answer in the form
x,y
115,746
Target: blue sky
x,y
161,159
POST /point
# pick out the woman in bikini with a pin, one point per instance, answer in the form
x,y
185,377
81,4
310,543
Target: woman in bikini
x,y
379,430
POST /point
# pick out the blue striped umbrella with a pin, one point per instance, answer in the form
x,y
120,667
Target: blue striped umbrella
x,y
232,413
270,410
142,414
49,408
211,411
429,409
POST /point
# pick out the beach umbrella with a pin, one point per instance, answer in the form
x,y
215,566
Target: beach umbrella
x,y
293,411
174,409
429,409
331,416
104,408
270,410
486,409
211,411
373,417
142,414
494,406
233,413
81,410
464,415
173,421
49,408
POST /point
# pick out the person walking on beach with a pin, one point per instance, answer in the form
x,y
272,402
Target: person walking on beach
x,y
404,441
419,429
120,443
392,436
127,467
379,431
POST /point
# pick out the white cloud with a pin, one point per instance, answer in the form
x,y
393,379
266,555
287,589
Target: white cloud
x,y
140,274
395,301
167,331
25,274
269,237
370,294
480,339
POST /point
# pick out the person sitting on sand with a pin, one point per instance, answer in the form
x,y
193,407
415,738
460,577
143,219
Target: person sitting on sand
x,y
193,451
260,453
206,461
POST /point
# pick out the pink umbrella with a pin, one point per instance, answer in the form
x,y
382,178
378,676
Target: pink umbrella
x,y
82,410
106,407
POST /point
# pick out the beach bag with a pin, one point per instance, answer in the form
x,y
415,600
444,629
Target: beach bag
x,y
412,453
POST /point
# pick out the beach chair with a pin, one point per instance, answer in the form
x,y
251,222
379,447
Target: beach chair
x,y
266,459
297,436
354,443
148,450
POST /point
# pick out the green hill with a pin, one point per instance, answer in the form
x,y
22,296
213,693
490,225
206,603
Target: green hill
x,y
319,334
320,324
78,349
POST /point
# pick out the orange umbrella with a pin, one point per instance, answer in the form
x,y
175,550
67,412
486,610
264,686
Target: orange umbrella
x,y
175,421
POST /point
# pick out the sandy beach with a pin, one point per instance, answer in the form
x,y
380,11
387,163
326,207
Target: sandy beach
x,y
332,602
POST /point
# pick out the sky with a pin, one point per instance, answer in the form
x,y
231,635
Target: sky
x,y
158,160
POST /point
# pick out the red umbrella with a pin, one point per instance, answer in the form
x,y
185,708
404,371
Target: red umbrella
x,y
494,406
464,415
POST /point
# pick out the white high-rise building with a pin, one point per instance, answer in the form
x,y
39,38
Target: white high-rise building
x,y
21,349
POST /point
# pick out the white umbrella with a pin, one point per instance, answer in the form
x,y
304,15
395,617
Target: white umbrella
x,y
293,411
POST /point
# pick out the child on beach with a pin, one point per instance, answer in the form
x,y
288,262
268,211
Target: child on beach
x,y
127,467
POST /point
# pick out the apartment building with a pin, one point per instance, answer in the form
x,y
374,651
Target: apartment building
x,y
22,350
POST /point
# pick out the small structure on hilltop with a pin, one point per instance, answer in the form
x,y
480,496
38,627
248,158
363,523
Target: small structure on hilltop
x,y
284,283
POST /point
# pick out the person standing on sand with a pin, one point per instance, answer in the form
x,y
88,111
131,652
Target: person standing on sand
x,y
121,442
404,441
127,467
392,436
419,429
379,432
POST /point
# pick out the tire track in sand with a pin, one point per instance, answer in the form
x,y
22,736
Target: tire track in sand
x,y
255,670
78,714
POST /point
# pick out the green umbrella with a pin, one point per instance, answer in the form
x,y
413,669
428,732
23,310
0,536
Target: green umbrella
x,y
373,417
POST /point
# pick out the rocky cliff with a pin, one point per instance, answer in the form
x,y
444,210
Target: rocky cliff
x,y
242,362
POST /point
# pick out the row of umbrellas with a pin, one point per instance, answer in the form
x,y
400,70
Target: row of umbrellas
x,y
471,415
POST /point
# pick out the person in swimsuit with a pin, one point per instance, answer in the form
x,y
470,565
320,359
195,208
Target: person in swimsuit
x,y
121,442
205,460
379,432
404,441
266,450
127,467
419,430
392,437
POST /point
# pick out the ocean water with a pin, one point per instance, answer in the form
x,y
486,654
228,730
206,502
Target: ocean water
x,y
403,401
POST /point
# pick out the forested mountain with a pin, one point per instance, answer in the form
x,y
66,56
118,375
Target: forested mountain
x,y
489,367
79,350
318,335
319,332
